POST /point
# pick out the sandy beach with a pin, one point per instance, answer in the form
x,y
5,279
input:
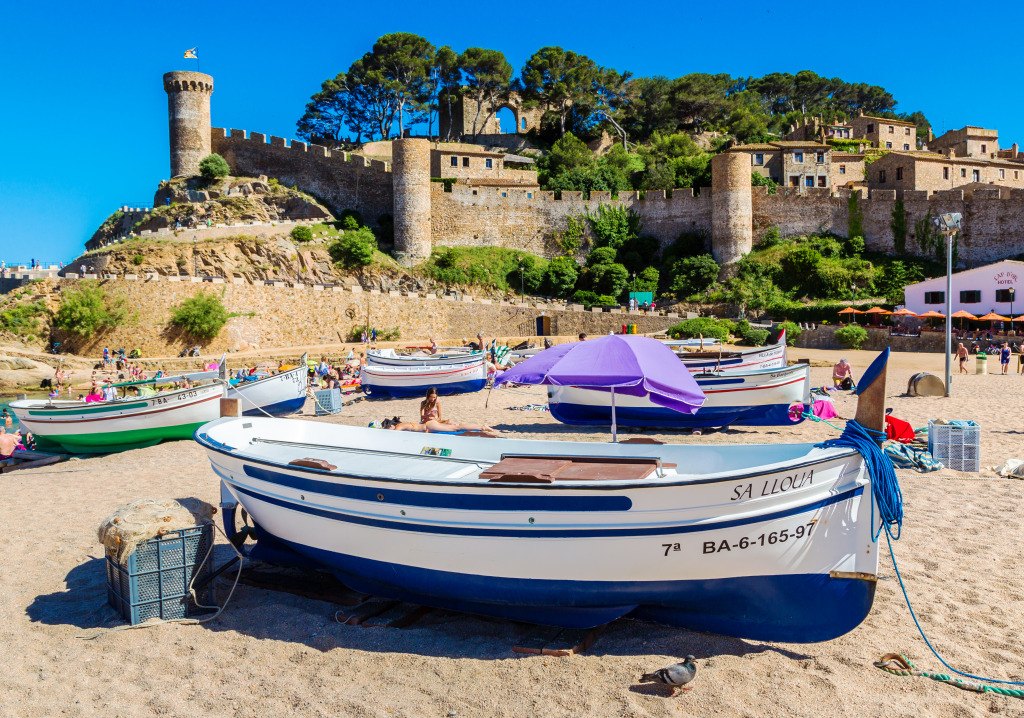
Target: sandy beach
x,y
277,654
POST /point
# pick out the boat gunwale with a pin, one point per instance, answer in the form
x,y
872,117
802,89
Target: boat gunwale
x,y
56,411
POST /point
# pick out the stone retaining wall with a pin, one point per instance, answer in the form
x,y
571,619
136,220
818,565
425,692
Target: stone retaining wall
x,y
879,339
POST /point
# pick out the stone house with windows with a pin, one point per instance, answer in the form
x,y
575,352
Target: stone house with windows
x,y
967,142
932,172
846,170
472,165
886,134
791,163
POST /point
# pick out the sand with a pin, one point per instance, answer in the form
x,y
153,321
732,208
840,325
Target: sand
x,y
276,654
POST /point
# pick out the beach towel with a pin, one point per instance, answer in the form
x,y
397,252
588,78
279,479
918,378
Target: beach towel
x,y
824,409
908,457
898,430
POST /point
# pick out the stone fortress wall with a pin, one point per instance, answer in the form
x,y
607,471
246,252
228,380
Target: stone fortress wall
x,y
731,213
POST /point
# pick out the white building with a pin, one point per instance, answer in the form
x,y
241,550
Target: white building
x,y
992,288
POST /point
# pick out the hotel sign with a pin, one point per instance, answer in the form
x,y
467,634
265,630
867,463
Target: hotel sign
x,y
1006,277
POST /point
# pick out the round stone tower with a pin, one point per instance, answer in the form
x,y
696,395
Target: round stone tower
x,y
731,209
188,118
411,187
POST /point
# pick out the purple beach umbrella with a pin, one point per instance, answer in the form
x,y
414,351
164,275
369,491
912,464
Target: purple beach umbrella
x,y
624,364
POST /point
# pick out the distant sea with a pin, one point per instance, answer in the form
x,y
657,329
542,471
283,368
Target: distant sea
x,y
5,399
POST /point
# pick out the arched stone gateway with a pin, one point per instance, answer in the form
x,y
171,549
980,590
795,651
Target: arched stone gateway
x,y
464,113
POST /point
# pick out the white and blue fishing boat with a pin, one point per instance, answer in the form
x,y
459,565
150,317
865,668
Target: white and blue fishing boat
x,y
274,394
389,357
764,397
415,380
766,542
746,359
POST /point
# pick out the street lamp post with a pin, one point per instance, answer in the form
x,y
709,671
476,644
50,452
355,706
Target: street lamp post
x,y
1012,291
948,225
195,255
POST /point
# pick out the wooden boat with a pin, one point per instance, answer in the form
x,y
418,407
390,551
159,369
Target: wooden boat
x,y
100,427
24,459
762,397
388,357
275,394
766,542
770,357
415,380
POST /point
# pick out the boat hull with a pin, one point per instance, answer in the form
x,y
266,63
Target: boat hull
x,y
773,357
118,426
414,381
761,398
390,358
277,395
752,555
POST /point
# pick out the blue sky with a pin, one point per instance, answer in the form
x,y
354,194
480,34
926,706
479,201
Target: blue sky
x,y
84,119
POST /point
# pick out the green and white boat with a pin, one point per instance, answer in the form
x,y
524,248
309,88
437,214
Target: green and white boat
x,y
102,427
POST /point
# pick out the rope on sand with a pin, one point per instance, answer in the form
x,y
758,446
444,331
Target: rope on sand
x,y
899,665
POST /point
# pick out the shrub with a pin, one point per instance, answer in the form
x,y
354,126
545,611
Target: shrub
x,y
213,166
601,255
610,279
87,310
792,332
560,276
202,315
756,337
707,327
22,319
693,274
138,259
383,335
351,219
590,299
852,336
447,258
301,233
802,261
853,247
354,249
770,238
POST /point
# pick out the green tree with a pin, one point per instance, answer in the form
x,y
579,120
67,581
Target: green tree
x,y
855,216
570,239
693,274
614,226
404,60
213,166
202,315
449,75
601,255
560,276
647,280
706,327
301,233
354,248
793,331
568,153
89,309
558,79
759,180
489,76
611,279
898,225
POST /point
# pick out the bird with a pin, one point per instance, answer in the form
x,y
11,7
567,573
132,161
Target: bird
x,y
676,676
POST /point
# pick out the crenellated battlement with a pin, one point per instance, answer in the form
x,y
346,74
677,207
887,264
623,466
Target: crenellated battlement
x,y
184,81
236,139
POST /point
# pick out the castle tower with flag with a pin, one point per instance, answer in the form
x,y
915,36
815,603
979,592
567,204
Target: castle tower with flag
x,y
188,119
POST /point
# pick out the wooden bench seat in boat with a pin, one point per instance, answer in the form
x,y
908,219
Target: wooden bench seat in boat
x,y
548,469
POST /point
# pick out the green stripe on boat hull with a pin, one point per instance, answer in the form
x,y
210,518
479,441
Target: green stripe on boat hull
x,y
113,441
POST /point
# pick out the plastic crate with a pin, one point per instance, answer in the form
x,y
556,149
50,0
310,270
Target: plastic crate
x,y
154,581
958,447
328,401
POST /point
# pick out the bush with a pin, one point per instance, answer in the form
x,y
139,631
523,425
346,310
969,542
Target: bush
x,y
383,335
447,258
202,315
560,276
707,327
852,336
88,310
770,238
693,274
756,337
22,319
853,247
302,233
138,259
590,299
601,255
213,166
351,219
354,249
610,279
792,332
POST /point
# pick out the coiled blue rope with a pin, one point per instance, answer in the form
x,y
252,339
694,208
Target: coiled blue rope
x,y
885,487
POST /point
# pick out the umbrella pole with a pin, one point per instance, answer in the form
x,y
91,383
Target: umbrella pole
x,y
614,438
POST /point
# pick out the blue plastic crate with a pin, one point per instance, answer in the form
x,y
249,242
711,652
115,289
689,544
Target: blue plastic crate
x,y
957,446
154,581
328,401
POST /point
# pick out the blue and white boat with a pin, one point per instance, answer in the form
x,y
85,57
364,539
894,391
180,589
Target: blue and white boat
x,y
765,397
415,380
389,357
769,542
746,359
274,394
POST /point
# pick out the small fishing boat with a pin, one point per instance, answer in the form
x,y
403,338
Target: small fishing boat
x,y
101,427
768,542
770,357
415,380
763,397
389,357
699,343
275,394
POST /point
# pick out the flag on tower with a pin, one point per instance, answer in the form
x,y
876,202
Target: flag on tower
x,y
191,54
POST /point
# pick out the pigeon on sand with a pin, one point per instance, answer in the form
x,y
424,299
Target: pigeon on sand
x,y
676,676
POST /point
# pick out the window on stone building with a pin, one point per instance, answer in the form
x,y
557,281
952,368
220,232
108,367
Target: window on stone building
x,y
794,180
899,173
890,129
906,130
975,176
504,194
871,127
455,161
881,177
934,297
983,149
474,192
1002,174
963,172
820,158
1016,174
523,123
529,195
488,163
465,162
906,147
809,181
822,181
842,169
945,173
758,159
888,145
798,156
971,296
1003,296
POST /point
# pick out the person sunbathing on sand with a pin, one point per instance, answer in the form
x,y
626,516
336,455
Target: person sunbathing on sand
x,y
433,427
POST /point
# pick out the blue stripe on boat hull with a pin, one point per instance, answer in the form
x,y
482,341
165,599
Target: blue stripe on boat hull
x,y
281,408
659,417
459,387
797,608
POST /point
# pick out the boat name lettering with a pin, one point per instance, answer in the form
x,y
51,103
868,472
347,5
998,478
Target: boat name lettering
x,y
181,397
773,486
782,536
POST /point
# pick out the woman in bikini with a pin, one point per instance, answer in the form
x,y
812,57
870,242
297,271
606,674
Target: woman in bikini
x,y
431,421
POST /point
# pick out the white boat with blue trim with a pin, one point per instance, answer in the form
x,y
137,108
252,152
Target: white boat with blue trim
x,y
389,357
764,397
278,394
745,359
415,380
766,542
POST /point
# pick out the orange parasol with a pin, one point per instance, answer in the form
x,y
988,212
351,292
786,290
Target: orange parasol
x,y
993,317
878,310
1018,319
903,313
931,314
850,310
961,315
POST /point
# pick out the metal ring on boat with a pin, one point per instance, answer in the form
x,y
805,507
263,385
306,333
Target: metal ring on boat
x,y
380,497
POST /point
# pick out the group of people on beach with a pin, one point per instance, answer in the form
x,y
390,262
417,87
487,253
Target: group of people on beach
x,y
1005,353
